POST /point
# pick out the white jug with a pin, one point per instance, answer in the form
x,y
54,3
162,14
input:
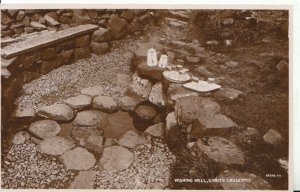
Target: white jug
x,y
152,57
163,61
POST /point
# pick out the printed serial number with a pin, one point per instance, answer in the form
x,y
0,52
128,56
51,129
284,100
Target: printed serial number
x,y
273,175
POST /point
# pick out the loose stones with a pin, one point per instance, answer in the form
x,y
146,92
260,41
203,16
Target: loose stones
x,y
44,128
221,150
78,159
90,118
79,102
93,91
116,158
105,104
55,145
58,112
131,139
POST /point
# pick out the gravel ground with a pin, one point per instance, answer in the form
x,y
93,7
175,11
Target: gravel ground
x,y
24,168
152,164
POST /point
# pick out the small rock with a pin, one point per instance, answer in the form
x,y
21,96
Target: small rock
x,y
101,35
231,63
203,71
131,139
44,128
20,137
20,16
127,14
178,44
78,159
99,48
212,42
128,103
192,60
145,112
156,130
105,104
228,94
55,145
140,87
51,21
59,112
94,143
284,163
117,26
90,118
171,121
93,91
273,137
79,102
37,25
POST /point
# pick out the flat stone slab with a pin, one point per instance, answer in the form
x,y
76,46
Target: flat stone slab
x,y
46,40
84,180
79,102
55,145
93,91
105,104
128,103
58,112
131,139
116,158
254,182
156,130
89,118
221,150
78,159
44,128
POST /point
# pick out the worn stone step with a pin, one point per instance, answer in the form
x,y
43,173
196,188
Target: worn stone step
x,y
46,40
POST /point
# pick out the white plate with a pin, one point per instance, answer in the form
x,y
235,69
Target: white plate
x,y
176,77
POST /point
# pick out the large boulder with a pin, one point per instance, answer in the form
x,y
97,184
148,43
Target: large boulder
x,y
58,112
154,72
116,158
44,128
79,102
128,103
55,145
221,150
78,159
89,118
105,104
140,87
117,26
131,139
157,95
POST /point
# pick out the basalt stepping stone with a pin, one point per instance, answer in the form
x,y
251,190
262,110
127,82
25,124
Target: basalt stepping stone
x,y
116,158
89,118
156,130
57,112
84,180
145,112
44,128
93,91
79,102
236,180
131,139
78,159
105,104
55,145
221,150
128,103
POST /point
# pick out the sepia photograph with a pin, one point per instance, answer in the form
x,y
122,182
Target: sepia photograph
x,y
145,98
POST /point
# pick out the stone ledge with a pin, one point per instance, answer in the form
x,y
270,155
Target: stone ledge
x,y
46,40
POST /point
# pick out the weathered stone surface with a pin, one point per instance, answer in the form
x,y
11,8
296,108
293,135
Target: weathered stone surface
x,y
11,64
29,60
83,41
123,79
101,35
82,53
203,71
51,21
93,91
90,118
117,26
145,112
272,137
37,25
128,103
116,158
44,128
128,14
157,95
248,135
171,121
211,125
156,130
140,87
78,159
79,102
228,94
193,60
105,104
221,150
21,15
20,137
155,72
5,19
99,48
94,143
131,139
48,54
118,124
81,134
58,112
47,66
176,91
84,180
67,45
256,183
55,145
67,56
24,113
